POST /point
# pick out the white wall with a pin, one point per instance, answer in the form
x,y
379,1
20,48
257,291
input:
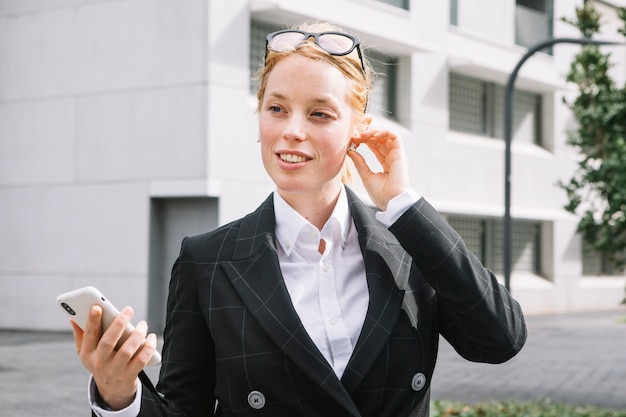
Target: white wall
x,y
98,99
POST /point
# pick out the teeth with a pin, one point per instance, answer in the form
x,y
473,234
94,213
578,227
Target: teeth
x,y
292,158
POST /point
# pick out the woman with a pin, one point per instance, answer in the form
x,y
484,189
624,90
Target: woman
x,y
314,304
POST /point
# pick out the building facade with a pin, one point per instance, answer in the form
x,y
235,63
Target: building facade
x,y
126,125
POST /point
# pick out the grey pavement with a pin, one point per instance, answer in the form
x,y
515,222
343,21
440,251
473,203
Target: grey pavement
x,y
578,359
575,358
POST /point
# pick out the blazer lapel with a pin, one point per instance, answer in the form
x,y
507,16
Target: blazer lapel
x,y
255,273
387,268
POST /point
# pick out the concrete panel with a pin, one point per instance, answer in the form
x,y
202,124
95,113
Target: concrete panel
x,y
74,230
536,186
464,168
102,46
140,43
234,151
37,142
152,134
431,22
536,295
600,293
11,7
228,65
239,198
29,301
37,54
428,96
492,19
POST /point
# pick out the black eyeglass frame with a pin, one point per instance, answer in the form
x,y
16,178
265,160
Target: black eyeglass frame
x,y
356,43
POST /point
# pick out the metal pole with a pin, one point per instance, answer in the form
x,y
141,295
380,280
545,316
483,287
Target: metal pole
x,y
508,121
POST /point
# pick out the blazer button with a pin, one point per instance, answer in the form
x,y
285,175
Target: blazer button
x,y
418,382
256,400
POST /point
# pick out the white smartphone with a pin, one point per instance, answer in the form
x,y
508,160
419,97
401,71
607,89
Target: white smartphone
x,y
77,304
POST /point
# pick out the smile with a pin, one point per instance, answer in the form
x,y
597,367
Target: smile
x,y
291,158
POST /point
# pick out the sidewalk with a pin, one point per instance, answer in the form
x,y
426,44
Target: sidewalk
x,y
574,358
578,359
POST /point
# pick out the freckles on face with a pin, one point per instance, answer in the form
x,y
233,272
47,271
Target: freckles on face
x,y
305,120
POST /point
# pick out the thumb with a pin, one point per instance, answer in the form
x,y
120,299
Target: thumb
x,y
78,336
360,164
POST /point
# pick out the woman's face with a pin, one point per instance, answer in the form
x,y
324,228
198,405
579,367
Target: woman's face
x,y
305,124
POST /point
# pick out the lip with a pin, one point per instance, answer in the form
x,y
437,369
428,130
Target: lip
x,y
292,159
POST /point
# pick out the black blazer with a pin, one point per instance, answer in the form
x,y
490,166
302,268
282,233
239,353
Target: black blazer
x,y
232,334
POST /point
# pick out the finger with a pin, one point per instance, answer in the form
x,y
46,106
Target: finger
x,y
385,143
93,329
111,337
379,143
78,334
151,341
357,140
144,355
388,146
360,164
382,137
133,344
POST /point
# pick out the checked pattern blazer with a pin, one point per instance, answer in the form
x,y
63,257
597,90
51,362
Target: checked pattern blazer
x,y
233,336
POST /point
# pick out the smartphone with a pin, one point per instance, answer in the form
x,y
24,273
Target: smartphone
x,y
77,304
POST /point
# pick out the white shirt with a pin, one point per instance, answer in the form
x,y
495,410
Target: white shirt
x,y
328,291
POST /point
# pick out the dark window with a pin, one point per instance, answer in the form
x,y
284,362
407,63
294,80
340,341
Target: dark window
x,y
403,4
477,107
454,12
483,236
533,22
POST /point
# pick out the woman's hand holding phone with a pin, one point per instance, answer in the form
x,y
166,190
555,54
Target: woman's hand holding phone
x,y
108,345
114,370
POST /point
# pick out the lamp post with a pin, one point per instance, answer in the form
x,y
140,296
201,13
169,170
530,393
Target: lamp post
x,y
508,121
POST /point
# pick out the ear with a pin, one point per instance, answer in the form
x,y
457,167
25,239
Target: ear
x,y
362,125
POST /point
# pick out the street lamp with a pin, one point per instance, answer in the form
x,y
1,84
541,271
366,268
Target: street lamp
x,y
508,118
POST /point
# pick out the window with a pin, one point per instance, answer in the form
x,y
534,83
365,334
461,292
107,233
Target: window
x,y
258,32
468,105
403,4
484,238
527,109
477,107
533,22
474,233
454,12
525,246
383,97
594,265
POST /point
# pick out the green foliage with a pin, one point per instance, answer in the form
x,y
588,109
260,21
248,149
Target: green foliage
x,y
597,189
543,408
587,21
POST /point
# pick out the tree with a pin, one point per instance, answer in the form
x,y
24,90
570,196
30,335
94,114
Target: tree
x,y
597,189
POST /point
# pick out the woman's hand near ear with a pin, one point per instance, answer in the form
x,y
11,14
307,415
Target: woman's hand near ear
x,y
388,149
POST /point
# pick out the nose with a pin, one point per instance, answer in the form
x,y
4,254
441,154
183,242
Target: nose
x,y
295,128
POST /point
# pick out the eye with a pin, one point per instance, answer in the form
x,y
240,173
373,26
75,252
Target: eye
x,y
321,115
274,109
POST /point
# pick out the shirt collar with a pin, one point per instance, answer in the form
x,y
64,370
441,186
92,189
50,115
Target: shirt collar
x,y
289,223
